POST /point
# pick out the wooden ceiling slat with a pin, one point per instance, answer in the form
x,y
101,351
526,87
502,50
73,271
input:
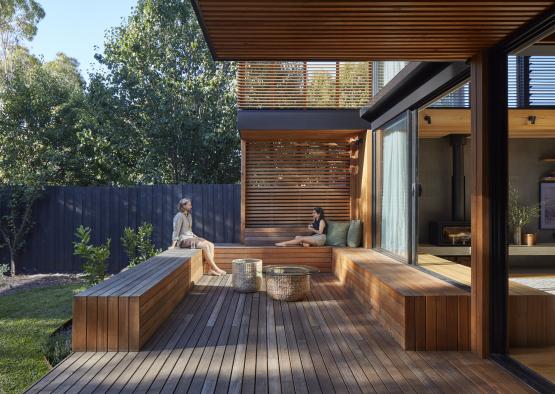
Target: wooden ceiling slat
x,y
360,30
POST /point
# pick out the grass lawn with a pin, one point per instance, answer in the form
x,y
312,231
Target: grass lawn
x,y
26,320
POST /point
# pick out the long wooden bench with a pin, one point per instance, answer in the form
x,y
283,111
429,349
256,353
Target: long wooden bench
x,y
317,257
420,311
531,315
122,313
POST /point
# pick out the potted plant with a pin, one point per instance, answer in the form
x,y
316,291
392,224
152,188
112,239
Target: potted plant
x,y
520,215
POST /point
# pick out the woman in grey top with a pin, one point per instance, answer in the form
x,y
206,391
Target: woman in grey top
x,y
183,236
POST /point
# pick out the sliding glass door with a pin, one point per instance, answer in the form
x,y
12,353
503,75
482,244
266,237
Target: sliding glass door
x,y
393,184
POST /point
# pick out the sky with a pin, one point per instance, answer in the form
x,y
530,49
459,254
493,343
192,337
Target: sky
x,y
75,27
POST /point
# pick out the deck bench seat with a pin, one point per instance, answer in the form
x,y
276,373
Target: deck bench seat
x,y
531,315
317,257
122,313
420,311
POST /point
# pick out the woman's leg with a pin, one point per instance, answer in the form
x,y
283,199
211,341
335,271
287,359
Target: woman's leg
x,y
296,241
299,240
208,252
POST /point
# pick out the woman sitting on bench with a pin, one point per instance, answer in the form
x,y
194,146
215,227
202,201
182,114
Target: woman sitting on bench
x,y
318,228
183,237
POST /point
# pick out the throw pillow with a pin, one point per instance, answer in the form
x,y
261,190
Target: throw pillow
x,y
337,233
354,235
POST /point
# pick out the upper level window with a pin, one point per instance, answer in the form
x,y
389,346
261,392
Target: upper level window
x,y
383,72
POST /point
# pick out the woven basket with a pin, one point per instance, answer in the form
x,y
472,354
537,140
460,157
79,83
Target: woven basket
x,y
288,283
247,275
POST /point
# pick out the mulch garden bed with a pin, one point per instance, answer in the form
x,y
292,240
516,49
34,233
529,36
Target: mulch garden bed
x,y
9,285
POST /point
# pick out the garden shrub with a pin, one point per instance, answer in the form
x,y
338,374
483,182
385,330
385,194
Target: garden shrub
x,y
57,347
95,256
138,244
4,269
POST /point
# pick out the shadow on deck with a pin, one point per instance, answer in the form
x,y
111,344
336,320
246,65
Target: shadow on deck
x,y
217,340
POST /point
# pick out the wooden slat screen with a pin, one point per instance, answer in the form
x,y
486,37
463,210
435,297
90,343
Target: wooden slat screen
x,y
304,84
432,30
286,179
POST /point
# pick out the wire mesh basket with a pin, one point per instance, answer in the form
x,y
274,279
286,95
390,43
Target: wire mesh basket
x,y
247,275
288,283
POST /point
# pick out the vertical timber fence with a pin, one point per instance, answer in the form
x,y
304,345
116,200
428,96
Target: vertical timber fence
x,y
108,210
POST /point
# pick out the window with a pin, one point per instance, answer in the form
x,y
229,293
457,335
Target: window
x,y
383,72
542,80
392,188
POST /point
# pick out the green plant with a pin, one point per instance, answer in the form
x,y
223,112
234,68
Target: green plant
x,y
95,256
57,347
520,215
4,269
138,244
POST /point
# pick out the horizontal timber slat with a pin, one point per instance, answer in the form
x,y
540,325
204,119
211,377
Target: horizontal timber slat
x,y
303,84
284,179
317,257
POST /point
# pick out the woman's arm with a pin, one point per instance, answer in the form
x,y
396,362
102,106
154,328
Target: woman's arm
x,y
177,224
321,227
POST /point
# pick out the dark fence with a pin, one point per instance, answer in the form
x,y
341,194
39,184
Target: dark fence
x,y
108,210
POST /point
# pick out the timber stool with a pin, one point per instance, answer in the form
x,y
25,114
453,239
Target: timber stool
x,y
247,275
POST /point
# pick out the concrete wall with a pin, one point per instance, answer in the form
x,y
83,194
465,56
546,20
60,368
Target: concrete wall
x,y
435,164
525,172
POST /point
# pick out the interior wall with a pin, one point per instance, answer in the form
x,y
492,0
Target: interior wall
x,y
435,168
525,172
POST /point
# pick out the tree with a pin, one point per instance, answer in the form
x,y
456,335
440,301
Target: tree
x,y
49,127
179,103
16,220
18,21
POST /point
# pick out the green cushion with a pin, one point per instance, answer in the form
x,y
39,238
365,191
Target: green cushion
x,y
337,233
354,235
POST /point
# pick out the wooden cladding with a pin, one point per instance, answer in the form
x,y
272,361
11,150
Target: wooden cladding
x,y
445,121
284,180
360,30
123,312
304,84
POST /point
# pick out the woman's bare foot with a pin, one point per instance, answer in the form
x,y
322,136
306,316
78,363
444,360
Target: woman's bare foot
x,y
306,244
221,271
213,273
280,244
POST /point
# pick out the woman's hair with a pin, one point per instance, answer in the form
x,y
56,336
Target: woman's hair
x,y
182,203
320,212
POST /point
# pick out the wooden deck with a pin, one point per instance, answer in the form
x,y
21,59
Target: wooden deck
x,y
218,340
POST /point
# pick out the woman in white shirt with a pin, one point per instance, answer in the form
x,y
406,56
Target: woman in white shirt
x,y
184,237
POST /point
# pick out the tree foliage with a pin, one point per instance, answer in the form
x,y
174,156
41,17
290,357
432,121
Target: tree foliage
x,y
159,111
18,21
95,257
178,103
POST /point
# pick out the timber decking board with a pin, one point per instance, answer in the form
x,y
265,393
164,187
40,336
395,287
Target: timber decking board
x,y
217,340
